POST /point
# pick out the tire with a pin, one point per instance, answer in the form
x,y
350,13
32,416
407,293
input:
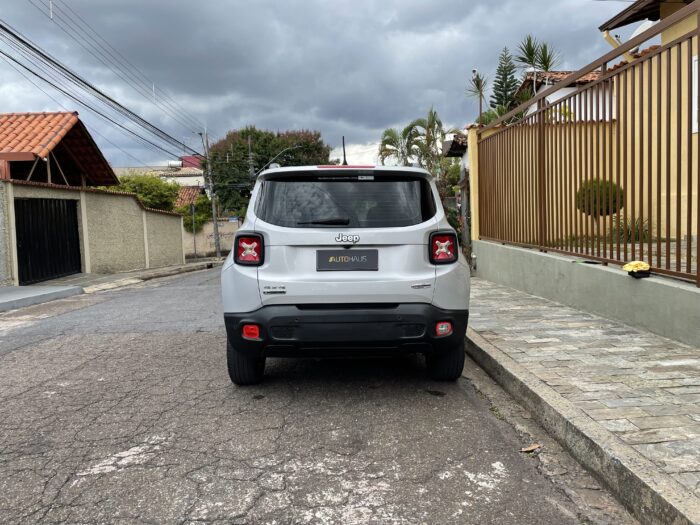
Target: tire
x,y
242,369
447,365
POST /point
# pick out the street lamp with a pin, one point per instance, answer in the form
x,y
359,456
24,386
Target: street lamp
x,y
290,148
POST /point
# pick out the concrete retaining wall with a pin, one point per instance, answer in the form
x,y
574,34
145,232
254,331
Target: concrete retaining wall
x,y
164,240
664,306
205,238
116,232
5,261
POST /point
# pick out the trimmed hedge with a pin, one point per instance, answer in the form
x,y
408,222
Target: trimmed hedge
x,y
600,198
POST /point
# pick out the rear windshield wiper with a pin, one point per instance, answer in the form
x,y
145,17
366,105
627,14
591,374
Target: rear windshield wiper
x,y
334,221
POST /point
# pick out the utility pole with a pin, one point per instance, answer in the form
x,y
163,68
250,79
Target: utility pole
x,y
194,230
212,194
251,167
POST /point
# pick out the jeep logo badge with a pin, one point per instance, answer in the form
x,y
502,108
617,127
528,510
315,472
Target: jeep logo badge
x,y
354,239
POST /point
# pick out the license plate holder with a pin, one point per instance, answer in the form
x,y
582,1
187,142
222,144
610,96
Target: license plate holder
x,y
347,260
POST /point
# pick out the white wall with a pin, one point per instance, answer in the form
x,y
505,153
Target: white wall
x,y
194,180
597,104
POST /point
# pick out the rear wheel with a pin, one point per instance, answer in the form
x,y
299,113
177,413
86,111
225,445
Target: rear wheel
x,y
447,365
243,369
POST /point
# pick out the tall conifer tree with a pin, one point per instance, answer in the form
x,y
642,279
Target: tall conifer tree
x,y
505,84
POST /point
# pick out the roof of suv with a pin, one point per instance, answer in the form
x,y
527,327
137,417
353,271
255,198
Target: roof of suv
x,y
313,170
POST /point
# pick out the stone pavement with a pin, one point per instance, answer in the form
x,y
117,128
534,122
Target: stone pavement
x,y
643,388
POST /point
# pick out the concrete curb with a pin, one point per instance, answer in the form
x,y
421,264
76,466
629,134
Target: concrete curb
x,y
649,494
166,272
39,298
62,292
191,267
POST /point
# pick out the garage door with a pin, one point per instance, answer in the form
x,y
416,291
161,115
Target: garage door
x,y
48,244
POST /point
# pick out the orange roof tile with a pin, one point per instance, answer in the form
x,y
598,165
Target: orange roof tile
x,y
553,77
27,136
188,195
557,76
639,54
24,136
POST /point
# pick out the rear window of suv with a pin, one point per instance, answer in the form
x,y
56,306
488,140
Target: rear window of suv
x,y
358,201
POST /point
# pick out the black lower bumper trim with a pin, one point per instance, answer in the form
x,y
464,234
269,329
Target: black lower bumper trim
x,y
291,331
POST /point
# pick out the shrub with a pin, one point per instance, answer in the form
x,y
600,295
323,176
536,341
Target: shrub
x,y
630,230
454,220
202,213
151,191
600,198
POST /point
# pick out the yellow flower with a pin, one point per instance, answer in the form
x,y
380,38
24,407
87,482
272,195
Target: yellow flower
x,y
636,266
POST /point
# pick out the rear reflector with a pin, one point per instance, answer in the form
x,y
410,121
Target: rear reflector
x,y
249,249
251,331
443,247
443,328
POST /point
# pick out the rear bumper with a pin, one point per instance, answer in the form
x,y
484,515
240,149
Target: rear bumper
x,y
332,330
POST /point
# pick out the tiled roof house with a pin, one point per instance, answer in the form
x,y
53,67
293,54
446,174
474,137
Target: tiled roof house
x,y
51,147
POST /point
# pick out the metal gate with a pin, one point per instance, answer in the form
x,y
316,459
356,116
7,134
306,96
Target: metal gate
x,y
48,244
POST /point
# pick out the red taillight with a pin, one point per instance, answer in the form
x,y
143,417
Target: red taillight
x,y
443,328
251,331
249,249
443,248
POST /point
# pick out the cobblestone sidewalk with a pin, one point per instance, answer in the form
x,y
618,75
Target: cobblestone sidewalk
x,y
640,386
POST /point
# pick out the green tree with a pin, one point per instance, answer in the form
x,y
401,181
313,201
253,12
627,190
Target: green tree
x,y
151,191
202,213
492,115
505,85
547,57
476,88
528,57
230,160
448,184
430,134
398,145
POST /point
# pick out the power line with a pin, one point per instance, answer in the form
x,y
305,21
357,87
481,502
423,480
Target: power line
x,y
163,93
108,59
84,104
64,89
89,88
112,55
13,66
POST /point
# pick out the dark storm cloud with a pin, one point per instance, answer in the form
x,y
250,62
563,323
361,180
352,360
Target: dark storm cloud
x,y
351,68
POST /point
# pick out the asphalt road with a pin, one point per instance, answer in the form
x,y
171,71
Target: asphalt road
x,y
116,408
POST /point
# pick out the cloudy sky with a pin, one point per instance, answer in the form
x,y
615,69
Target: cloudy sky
x,y
348,68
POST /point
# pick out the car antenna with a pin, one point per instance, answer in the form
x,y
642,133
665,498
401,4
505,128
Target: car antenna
x,y
345,160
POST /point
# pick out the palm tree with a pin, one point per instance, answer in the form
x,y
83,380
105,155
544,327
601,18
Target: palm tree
x,y
477,89
547,57
430,135
529,57
493,114
398,145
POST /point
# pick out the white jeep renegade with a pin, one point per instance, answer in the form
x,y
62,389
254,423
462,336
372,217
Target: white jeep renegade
x,y
345,260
